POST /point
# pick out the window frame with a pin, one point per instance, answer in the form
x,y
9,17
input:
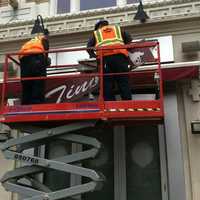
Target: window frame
x,y
65,12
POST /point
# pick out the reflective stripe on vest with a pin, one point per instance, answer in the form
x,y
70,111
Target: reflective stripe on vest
x,y
110,36
33,46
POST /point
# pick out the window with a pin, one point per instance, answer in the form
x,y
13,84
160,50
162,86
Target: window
x,y
92,4
132,1
143,163
63,6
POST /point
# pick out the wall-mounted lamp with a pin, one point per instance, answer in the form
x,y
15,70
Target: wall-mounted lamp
x,y
39,26
195,127
14,4
141,14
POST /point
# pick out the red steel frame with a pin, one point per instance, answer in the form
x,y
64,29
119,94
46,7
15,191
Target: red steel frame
x,y
106,110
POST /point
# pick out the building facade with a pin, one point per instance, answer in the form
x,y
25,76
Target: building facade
x,y
148,162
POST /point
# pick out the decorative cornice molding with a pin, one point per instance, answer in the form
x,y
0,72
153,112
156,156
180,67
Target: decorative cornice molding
x,y
102,11
159,11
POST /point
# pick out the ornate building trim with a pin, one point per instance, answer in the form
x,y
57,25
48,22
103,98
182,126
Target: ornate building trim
x,y
159,11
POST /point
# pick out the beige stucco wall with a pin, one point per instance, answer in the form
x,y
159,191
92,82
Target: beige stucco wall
x,y
187,36
189,110
5,165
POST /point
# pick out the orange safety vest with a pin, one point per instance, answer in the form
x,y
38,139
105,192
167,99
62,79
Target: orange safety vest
x,y
32,46
110,36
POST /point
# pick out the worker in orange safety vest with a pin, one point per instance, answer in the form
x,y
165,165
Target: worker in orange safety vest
x,y
33,63
115,60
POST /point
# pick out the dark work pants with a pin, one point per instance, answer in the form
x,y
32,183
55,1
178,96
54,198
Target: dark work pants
x,y
33,91
116,64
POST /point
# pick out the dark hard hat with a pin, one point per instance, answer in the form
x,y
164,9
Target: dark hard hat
x,y
100,22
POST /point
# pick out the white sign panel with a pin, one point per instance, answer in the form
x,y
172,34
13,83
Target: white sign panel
x,y
166,53
166,48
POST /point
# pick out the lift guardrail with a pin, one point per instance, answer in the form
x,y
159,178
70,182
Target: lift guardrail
x,y
90,79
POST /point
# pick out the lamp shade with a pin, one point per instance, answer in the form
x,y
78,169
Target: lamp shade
x,y
37,28
141,14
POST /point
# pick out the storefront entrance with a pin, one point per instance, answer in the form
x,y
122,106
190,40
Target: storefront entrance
x,y
132,159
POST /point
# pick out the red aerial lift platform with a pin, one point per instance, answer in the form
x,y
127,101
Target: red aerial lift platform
x,y
89,80
74,103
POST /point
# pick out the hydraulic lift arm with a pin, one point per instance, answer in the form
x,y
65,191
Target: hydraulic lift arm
x,y
35,190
